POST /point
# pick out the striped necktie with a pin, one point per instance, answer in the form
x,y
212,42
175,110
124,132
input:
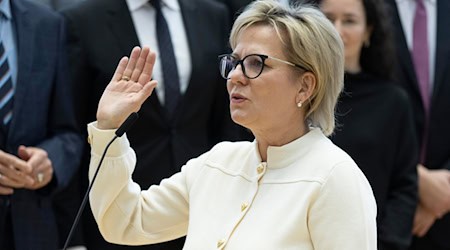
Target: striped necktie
x,y
6,89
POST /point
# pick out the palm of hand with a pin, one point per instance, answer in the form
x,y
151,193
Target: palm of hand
x,y
128,89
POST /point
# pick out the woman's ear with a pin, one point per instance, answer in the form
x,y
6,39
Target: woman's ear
x,y
306,87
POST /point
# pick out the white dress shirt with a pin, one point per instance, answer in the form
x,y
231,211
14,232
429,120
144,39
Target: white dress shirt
x,y
406,11
144,19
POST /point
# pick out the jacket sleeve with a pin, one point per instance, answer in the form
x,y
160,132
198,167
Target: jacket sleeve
x,y
396,222
124,213
63,143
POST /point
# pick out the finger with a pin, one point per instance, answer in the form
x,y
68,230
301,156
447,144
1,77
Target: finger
x,y
42,178
419,233
6,190
23,153
146,91
38,158
417,224
423,229
148,68
120,69
16,178
140,64
11,178
46,168
132,62
19,164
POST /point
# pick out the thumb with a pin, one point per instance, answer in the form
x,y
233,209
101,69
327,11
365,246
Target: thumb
x,y
147,90
144,93
23,153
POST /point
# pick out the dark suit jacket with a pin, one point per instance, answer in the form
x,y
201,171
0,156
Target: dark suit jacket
x,y
102,32
438,145
42,117
235,7
58,4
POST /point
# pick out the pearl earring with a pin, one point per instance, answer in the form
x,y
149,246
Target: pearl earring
x,y
299,104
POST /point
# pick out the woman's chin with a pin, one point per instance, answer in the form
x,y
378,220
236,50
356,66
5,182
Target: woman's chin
x,y
239,118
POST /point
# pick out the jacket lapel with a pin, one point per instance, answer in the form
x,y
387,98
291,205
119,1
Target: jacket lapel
x,y
122,27
443,43
25,37
402,48
192,25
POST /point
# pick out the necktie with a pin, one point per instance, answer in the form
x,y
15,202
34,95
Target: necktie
x,y
421,64
420,52
168,62
6,89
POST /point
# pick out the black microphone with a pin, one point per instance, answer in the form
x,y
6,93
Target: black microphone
x,y
119,132
127,124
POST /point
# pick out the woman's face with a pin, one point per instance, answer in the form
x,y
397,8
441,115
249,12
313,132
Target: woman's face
x,y
270,100
349,18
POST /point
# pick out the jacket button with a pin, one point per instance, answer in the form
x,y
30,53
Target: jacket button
x,y
220,243
260,169
244,206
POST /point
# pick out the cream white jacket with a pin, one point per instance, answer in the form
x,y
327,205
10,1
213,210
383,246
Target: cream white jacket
x,y
308,195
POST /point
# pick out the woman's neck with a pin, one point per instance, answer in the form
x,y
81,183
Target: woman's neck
x,y
278,137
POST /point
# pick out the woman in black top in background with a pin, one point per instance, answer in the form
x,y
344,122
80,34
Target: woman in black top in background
x,y
376,126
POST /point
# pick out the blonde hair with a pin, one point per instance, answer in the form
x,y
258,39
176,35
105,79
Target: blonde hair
x,y
310,41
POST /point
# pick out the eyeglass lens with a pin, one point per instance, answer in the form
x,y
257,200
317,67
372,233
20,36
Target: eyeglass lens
x,y
252,66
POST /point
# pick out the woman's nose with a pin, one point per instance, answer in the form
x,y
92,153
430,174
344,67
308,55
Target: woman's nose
x,y
237,75
338,25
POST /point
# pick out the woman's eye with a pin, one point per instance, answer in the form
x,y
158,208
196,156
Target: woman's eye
x,y
349,21
254,62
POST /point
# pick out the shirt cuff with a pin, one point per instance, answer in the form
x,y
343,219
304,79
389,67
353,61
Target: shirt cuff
x,y
99,139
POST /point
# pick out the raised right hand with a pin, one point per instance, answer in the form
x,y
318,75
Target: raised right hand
x,y
130,86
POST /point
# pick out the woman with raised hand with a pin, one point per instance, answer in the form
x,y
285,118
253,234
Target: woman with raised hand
x,y
291,188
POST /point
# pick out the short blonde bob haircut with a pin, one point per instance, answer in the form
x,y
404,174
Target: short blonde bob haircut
x,y
310,41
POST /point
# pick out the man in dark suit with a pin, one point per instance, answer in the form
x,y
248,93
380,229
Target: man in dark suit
x,y
103,31
39,142
431,110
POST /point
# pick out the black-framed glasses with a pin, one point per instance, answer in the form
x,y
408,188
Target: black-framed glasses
x,y
252,65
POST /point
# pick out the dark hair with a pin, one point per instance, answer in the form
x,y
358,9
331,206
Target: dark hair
x,y
379,57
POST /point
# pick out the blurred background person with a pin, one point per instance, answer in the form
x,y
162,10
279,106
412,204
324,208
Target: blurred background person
x,y
189,111
39,141
64,202
374,116
423,48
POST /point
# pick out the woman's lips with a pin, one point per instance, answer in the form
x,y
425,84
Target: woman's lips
x,y
237,98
